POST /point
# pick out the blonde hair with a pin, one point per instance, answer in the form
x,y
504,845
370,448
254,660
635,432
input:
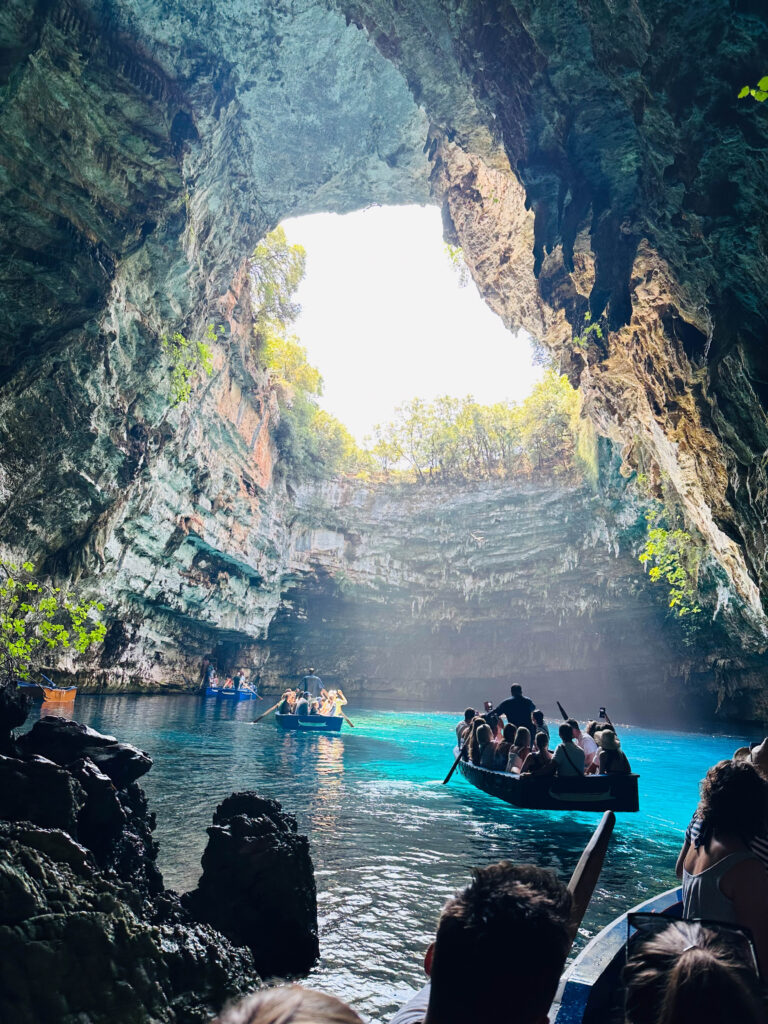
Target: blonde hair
x,y
289,1004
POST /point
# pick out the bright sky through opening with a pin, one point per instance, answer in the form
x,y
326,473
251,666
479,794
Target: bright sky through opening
x,y
385,320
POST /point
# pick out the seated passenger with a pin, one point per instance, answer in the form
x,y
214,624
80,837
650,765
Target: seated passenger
x,y
314,706
228,684
539,725
285,707
485,746
587,744
611,760
684,971
519,750
723,880
568,757
539,761
502,749
463,726
471,753
289,1004
302,705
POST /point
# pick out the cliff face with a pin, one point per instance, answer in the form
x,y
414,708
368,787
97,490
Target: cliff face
x,y
587,156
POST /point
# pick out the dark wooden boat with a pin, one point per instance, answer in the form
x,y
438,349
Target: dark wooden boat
x,y
549,793
590,990
310,723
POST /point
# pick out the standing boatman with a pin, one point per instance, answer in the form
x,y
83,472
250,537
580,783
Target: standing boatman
x,y
517,708
312,684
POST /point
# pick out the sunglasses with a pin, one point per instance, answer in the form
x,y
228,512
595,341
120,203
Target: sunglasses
x,y
642,926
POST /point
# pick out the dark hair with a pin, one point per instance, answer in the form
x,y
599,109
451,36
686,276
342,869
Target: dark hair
x,y
689,972
734,800
523,737
591,729
516,690
492,720
573,723
537,714
509,733
541,740
565,732
479,936
472,747
469,714
288,1005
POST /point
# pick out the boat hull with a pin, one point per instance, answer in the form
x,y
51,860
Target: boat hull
x,y
50,694
550,793
230,694
310,723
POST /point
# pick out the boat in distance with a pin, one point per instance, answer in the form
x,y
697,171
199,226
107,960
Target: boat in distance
x,y
310,723
230,693
553,793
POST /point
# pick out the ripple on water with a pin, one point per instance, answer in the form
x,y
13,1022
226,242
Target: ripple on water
x,y
389,842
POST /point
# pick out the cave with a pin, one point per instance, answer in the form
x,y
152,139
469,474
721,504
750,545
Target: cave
x,y
579,158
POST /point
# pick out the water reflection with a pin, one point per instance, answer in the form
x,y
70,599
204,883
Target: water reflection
x,y
389,842
59,708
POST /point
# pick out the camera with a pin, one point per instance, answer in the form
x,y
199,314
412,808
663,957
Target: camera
x,y
602,713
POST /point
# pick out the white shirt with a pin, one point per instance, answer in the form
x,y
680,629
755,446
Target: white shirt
x,y
589,747
415,1010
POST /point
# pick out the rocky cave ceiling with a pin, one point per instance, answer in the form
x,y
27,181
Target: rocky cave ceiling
x,y
588,156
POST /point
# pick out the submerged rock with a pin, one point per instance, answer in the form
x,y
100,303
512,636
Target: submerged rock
x,y
258,886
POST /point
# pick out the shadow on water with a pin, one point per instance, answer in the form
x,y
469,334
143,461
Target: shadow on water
x,y
389,842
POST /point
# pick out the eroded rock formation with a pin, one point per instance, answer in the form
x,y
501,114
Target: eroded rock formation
x,y
588,157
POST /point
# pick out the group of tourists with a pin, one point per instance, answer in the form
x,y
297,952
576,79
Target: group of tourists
x,y
311,698
237,681
521,745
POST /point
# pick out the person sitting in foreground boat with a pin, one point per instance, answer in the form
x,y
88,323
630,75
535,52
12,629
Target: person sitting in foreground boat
x,y
469,749
285,707
464,724
302,705
338,700
517,709
511,926
288,1004
568,757
539,725
501,752
686,973
495,725
485,748
587,744
539,761
611,759
723,880
519,750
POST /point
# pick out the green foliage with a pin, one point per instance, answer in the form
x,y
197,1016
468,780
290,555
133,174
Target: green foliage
x,y
188,360
36,618
758,92
674,559
591,330
455,256
277,270
454,439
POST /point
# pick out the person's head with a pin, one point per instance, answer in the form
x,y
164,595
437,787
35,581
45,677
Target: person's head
x,y
484,734
734,800
608,740
289,1004
689,972
565,732
287,694
510,924
305,695
756,754
493,722
311,671
523,737
541,741
575,727
509,733
592,728
469,714
538,716
516,690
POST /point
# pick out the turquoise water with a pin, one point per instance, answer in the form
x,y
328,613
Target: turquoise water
x,y
389,842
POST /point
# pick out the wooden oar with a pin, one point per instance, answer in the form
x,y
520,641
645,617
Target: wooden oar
x,y
267,712
585,877
562,710
346,719
456,762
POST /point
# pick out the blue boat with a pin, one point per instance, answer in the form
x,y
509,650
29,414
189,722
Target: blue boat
x,y
590,987
229,693
310,723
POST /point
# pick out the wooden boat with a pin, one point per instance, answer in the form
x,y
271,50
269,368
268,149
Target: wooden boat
x,y
51,694
590,989
229,693
310,723
549,793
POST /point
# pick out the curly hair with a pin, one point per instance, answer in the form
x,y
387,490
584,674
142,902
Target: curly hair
x,y
289,1004
734,801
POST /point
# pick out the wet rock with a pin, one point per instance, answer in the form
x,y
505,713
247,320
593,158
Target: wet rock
x,y
39,791
75,948
64,741
14,708
257,885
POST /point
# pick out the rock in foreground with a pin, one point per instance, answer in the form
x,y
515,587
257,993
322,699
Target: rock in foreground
x,y
258,886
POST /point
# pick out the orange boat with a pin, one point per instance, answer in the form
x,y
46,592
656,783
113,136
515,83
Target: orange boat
x,y
56,695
